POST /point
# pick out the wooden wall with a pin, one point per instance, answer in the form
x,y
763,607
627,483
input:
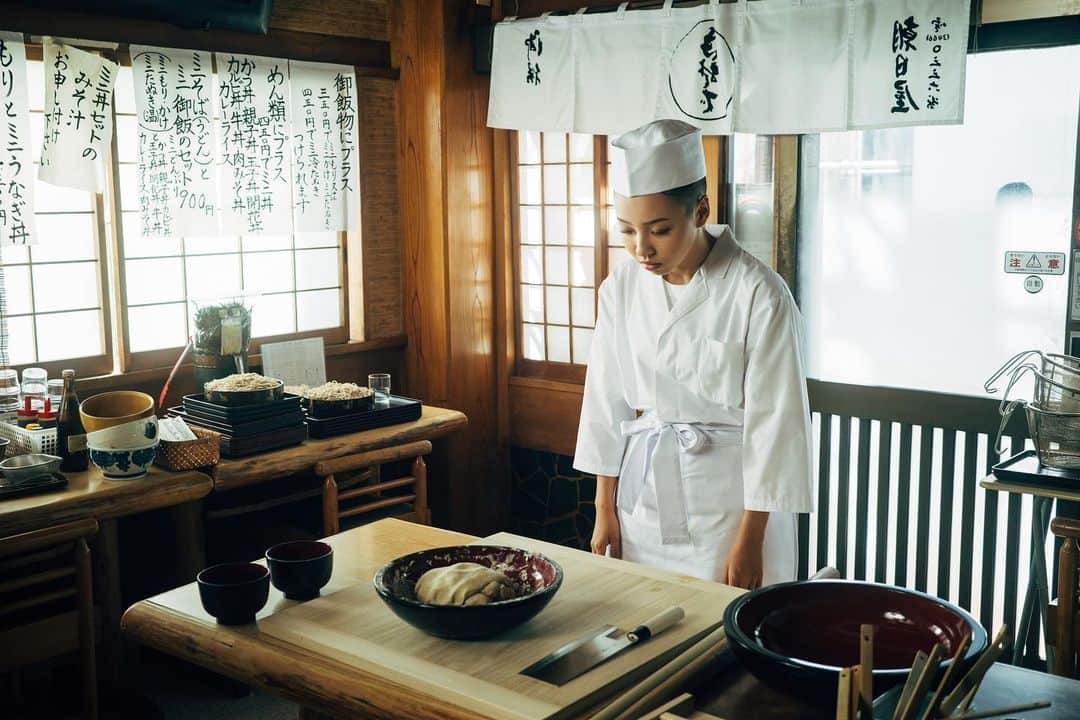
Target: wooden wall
x,y
445,181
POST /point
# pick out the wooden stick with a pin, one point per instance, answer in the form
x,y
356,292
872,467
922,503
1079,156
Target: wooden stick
x,y
909,685
1010,710
926,677
854,700
675,684
866,671
935,701
975,675
843,695
710,644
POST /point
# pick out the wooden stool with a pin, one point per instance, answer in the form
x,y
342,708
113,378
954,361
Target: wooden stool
x,y
1065,618
334,493
39,571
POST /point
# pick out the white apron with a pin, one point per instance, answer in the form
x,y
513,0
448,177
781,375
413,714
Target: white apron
x,y
700,411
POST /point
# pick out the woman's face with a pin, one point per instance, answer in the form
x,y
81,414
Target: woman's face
x,y
657,230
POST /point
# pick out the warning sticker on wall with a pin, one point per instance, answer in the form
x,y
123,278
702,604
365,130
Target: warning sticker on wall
x,y
1035,263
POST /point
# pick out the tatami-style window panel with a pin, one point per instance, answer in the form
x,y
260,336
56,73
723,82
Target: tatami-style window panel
x,y
561,231
57,315
295,283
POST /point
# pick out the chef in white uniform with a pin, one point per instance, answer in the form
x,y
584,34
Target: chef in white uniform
x,y
695,417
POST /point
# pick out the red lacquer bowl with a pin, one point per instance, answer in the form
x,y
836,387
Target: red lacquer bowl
x,y
539,577
797,636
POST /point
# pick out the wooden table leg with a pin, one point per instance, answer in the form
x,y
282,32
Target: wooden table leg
x,y
190,539
106,556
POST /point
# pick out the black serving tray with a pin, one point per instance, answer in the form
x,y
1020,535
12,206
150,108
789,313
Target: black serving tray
x,y
199,406
242,429
1024,467
234,447
33,486
401,410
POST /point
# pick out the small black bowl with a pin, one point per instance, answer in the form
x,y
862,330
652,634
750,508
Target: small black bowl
x,y
234,592
300,569
539,576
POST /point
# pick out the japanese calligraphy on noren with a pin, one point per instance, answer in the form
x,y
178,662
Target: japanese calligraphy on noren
x,y
16,167
256,181
702,75
936,40
903,42
78,116
177,173
324,132
534,48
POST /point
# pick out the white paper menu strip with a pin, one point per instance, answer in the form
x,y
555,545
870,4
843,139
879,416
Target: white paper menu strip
x,y
255,193
16,166
324,132
176,173
78,117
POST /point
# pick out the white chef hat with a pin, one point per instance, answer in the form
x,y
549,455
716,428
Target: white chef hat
x,y
658,156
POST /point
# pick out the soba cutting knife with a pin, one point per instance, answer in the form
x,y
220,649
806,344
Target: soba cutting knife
x,y
580,656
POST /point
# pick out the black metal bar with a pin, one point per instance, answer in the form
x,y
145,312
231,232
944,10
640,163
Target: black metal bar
x,y
1012,550
824,470
989,547
922,524
967,518
881,552
804,546
843,490
945,512
903,505
862,500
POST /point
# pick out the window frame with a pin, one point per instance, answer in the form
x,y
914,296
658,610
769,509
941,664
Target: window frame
x,y
103,363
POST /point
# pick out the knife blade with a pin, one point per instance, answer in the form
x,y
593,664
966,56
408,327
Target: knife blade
x,y
578,657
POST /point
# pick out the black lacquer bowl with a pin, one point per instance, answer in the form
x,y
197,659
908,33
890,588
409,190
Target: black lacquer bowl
x,y
300,568
797,636
538,577
234,592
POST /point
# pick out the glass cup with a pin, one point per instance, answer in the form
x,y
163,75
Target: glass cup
x,y
9,390
56,393
34,386
380,388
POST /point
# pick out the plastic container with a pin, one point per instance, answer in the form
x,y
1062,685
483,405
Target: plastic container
x,y
27,414
55,393
35,386
47,416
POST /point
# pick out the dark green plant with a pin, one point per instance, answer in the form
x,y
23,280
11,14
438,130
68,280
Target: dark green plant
x,y
208,321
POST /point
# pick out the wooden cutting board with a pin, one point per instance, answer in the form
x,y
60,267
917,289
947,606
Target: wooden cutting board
x,y
355,627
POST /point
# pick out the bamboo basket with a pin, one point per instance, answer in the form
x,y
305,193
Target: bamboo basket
x,y
205,451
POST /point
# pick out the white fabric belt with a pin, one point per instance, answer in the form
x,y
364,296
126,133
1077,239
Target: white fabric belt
x,y
665,445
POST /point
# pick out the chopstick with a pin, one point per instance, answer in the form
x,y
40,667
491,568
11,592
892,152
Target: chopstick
x,y
965,689
935,701
865,702
677,681
909,685
922,684
843,694
1010,710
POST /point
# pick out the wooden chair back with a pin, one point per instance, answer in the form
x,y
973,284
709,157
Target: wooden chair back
x,y
1066,619
47,601
371,488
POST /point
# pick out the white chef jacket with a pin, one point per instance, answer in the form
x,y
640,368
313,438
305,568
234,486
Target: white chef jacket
x,y
701,411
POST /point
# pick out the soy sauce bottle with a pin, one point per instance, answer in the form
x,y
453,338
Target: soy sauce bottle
x,y
70,435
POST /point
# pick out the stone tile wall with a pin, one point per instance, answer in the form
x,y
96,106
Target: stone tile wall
x,y
550,500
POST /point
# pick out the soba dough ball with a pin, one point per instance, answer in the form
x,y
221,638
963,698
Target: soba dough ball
x,y
463,583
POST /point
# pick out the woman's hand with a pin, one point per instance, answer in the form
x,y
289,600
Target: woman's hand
x,y
606,533
745,560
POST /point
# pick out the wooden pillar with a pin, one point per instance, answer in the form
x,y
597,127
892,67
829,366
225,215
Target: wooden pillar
x,y
87,649
106,557
1066,621
331,523
190,539
445,175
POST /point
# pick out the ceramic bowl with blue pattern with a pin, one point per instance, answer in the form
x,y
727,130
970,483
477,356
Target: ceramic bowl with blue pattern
x,y
124,463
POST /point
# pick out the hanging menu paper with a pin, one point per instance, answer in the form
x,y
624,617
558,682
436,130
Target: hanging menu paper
x,y
323,110
16,168
78,117
177,178
255,189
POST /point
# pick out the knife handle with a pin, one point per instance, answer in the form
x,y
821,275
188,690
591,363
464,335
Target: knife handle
x,y
656,624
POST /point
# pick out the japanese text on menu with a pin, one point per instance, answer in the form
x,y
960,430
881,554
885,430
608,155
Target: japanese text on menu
x,y
16,170
905,44
177,176
255,185
78,116
323,99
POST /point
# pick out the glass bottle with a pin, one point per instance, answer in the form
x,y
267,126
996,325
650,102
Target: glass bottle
x,y
70,435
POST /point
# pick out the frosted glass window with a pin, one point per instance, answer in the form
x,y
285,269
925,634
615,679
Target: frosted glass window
x,y
558,343
533,335
582,264
752,194
21,340
555,225
532,230
903,232
558,305
581,184
316,269
529,186
154,281
157,327
583,220
554,184
532,303
66,286
211,245
581,148
19,291
532,265
556,267
62,336
554,147
528,148
318,310
273,315
268,272
63,238
582,343
582,302
213,276
261,243
315,240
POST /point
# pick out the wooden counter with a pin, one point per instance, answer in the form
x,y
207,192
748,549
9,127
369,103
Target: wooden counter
x,y
90,494
434,423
